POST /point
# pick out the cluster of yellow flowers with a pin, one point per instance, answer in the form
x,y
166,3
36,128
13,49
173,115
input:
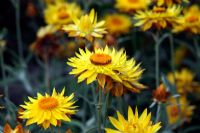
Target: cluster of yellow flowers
x,y
112,69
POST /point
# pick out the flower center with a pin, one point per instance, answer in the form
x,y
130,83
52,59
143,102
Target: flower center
x,y
132,1
159,9
174,111
48,103
100,59
116,21
62,14
192,19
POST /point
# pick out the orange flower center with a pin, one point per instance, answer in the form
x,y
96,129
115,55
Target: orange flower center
x,y
192,19
159,9
132,1
100,59
62,14
48,103
174,111
116,21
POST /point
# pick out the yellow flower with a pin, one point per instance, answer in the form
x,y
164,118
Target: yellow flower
x,y
158,17
61,13
183,110
134,124
179,55
117,23
184,81
131,5
86,27
130,75
46,110
190,21
18,129
88,65
169,2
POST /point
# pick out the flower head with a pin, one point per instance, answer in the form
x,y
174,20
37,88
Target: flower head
x,y
46,110
18,129
61,12
131,5
86,27
134,124
169,2
184,81
161,94
89,65
117,23
190,21
158,17
179,110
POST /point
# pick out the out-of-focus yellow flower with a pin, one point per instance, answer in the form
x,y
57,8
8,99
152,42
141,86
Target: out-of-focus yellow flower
x,y
46,30
117,23
61,13
158,17
46,110
134,124
169,2
86,27
131,5
184,81
88,65
179,55
190,21
18,129
182,111
2,44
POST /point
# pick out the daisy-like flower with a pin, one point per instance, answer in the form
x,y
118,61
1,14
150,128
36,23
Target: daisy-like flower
x,y
169,2
86,27
158,17
131,5
61,13
190,21
117,23
182,111
90,65
134,124
184,80
130,75
48,110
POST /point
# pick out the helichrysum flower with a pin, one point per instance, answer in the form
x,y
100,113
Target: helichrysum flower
x,y
161,94
158,17
48,110
179,110
169,2
184,80
88,65
18,129
61,13
117,23
86,27
46,45
134,124
190,21
131,5
130,75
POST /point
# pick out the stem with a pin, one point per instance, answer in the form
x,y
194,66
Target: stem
x,y
47,77
157,64
106,107
99,108
158,112
4,75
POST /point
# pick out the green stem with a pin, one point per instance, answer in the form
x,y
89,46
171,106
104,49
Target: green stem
x,y
158,112
157,64
47,77
4,75
99,108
